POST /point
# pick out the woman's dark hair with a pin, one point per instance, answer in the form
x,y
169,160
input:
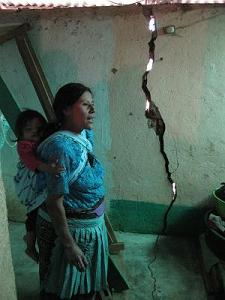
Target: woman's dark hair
x,y
66,96
23,118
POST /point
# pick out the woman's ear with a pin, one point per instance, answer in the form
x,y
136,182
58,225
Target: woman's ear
x,y
66,111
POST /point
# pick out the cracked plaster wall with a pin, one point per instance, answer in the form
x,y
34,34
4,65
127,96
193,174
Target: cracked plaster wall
x,y
106,48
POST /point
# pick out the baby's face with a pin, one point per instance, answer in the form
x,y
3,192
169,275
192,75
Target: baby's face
x,y
33,130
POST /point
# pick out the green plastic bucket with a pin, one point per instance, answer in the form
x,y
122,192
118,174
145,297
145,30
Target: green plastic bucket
x,y
220,205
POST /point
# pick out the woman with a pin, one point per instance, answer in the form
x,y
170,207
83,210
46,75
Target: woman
x,y
71,231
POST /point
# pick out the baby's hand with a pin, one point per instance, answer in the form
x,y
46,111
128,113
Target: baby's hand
x,y
55,168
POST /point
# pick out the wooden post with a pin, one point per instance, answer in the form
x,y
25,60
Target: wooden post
x,y
114,246
10,32
36,74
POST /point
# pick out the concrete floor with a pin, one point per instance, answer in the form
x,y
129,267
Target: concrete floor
x,y
174,275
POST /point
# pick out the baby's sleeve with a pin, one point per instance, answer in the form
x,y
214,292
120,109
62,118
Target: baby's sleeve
x,y
27,153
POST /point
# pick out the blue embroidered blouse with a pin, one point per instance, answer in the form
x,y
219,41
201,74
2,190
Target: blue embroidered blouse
x,y
88,187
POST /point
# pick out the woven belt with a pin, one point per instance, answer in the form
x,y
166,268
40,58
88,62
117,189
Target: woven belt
x,y
84,214
72,213
80,215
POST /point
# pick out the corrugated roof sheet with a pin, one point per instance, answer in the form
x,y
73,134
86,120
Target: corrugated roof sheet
x,y
14,4
48,4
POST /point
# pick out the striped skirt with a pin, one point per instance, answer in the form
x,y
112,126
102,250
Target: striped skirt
x,y
59,277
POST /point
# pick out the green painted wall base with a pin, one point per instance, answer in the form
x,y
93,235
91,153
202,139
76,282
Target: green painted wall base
x,y
145,217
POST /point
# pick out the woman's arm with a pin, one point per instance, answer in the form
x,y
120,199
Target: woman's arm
x,y
56,211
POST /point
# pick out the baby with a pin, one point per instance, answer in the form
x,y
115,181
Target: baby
x,y
29,128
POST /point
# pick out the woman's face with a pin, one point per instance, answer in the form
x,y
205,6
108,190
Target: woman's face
x,y
80,115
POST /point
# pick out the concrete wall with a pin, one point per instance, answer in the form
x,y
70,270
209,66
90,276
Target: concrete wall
x,y
7,278
106,48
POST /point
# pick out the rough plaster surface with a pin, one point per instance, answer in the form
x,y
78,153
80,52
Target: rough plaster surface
x,y
9,160
106,48
7,278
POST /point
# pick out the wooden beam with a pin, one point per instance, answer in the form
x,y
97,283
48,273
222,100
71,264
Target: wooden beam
x,y
114,246
36,74
116,280
12,33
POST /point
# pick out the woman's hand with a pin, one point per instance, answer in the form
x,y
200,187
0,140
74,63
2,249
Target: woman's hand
x,y
76,257
56,211
54,168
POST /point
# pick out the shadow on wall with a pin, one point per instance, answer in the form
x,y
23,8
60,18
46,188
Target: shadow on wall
x,y
189,221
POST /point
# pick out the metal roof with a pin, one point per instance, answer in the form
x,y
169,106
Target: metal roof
x,y
48,4
45,4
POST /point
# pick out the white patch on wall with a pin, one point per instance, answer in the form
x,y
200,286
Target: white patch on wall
x,y
5,132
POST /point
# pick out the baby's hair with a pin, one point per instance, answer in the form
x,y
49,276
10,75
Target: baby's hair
x,y
23,118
